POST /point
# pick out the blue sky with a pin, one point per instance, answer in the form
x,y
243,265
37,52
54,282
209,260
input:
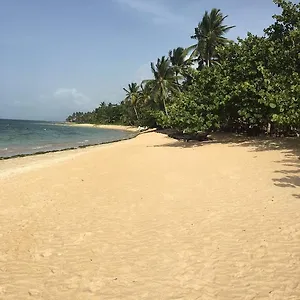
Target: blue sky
x,y
60,56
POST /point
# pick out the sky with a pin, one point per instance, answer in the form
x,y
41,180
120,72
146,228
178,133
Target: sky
x,y
61,56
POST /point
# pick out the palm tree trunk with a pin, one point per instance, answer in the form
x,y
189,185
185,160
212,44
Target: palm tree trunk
x,y
165,106
136,113
177,81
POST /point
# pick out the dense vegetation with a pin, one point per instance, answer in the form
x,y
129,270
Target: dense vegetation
x,y
252,85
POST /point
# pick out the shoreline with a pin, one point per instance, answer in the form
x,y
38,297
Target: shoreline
x,y
25,162
133,130
102,126
2,158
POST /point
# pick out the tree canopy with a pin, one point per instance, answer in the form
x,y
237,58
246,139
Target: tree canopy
x,y
251,83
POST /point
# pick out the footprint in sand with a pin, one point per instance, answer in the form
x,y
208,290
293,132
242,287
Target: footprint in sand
x,y
47,253
38,255
82,237
259,251
33,292
3,257
2,290
93,287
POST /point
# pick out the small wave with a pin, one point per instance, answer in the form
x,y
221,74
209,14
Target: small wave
x,y
85,141
41,147
3,149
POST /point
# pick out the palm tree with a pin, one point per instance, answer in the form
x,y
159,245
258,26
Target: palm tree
x,y
209,35
132,95
179,60
145,95
164,82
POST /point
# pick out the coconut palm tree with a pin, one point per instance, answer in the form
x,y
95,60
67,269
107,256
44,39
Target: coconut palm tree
x,y
164,83
132,95
209,35
179,60
145,95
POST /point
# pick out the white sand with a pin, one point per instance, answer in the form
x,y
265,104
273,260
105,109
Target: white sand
x,y
150,218
108,126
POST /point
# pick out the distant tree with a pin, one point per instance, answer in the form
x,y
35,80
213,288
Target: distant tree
x,y
132,95
164,83
180,61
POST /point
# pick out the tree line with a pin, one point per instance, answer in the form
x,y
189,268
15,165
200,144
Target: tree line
x,y
251,85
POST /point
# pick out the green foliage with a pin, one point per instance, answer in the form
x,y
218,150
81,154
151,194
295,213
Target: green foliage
x,y
199,108
261,74
179,61
254,84
104,114
164,83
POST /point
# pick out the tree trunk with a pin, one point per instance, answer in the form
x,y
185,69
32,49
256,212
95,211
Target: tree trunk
x,y
165,107
269,129
177,81
136,113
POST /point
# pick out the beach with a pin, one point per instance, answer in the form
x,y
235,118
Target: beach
x,y
104,126
152,218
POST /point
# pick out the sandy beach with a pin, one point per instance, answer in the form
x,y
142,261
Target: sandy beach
x,y
152,218
108,126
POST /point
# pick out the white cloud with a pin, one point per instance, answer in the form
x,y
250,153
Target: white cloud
x,y
142,73
160,13
73,95
62,102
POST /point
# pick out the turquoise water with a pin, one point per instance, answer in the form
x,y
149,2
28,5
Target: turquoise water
x,y
29,137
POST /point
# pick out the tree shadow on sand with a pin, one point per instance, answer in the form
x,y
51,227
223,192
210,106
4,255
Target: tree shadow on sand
x,y
291,177
290,147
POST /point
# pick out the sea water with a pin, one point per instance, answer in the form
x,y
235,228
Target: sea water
x,y
21,137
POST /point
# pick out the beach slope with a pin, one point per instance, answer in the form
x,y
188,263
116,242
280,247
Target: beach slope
x,y
151,218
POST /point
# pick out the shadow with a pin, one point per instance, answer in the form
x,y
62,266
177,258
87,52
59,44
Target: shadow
x,y
288,181
289,147
263,143
184,144
288,171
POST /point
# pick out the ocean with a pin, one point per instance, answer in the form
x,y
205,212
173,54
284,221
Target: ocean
x,y
23,137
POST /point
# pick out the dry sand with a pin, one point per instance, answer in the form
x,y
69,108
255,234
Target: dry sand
x,y
152,218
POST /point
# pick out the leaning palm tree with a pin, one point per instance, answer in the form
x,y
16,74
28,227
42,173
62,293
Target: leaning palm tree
x,y
164,83
179,60
132,95
209,35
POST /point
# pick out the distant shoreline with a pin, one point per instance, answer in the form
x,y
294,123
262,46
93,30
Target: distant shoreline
x,y
102,126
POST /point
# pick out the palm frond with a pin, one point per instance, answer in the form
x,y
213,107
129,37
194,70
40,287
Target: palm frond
x,y
210,33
